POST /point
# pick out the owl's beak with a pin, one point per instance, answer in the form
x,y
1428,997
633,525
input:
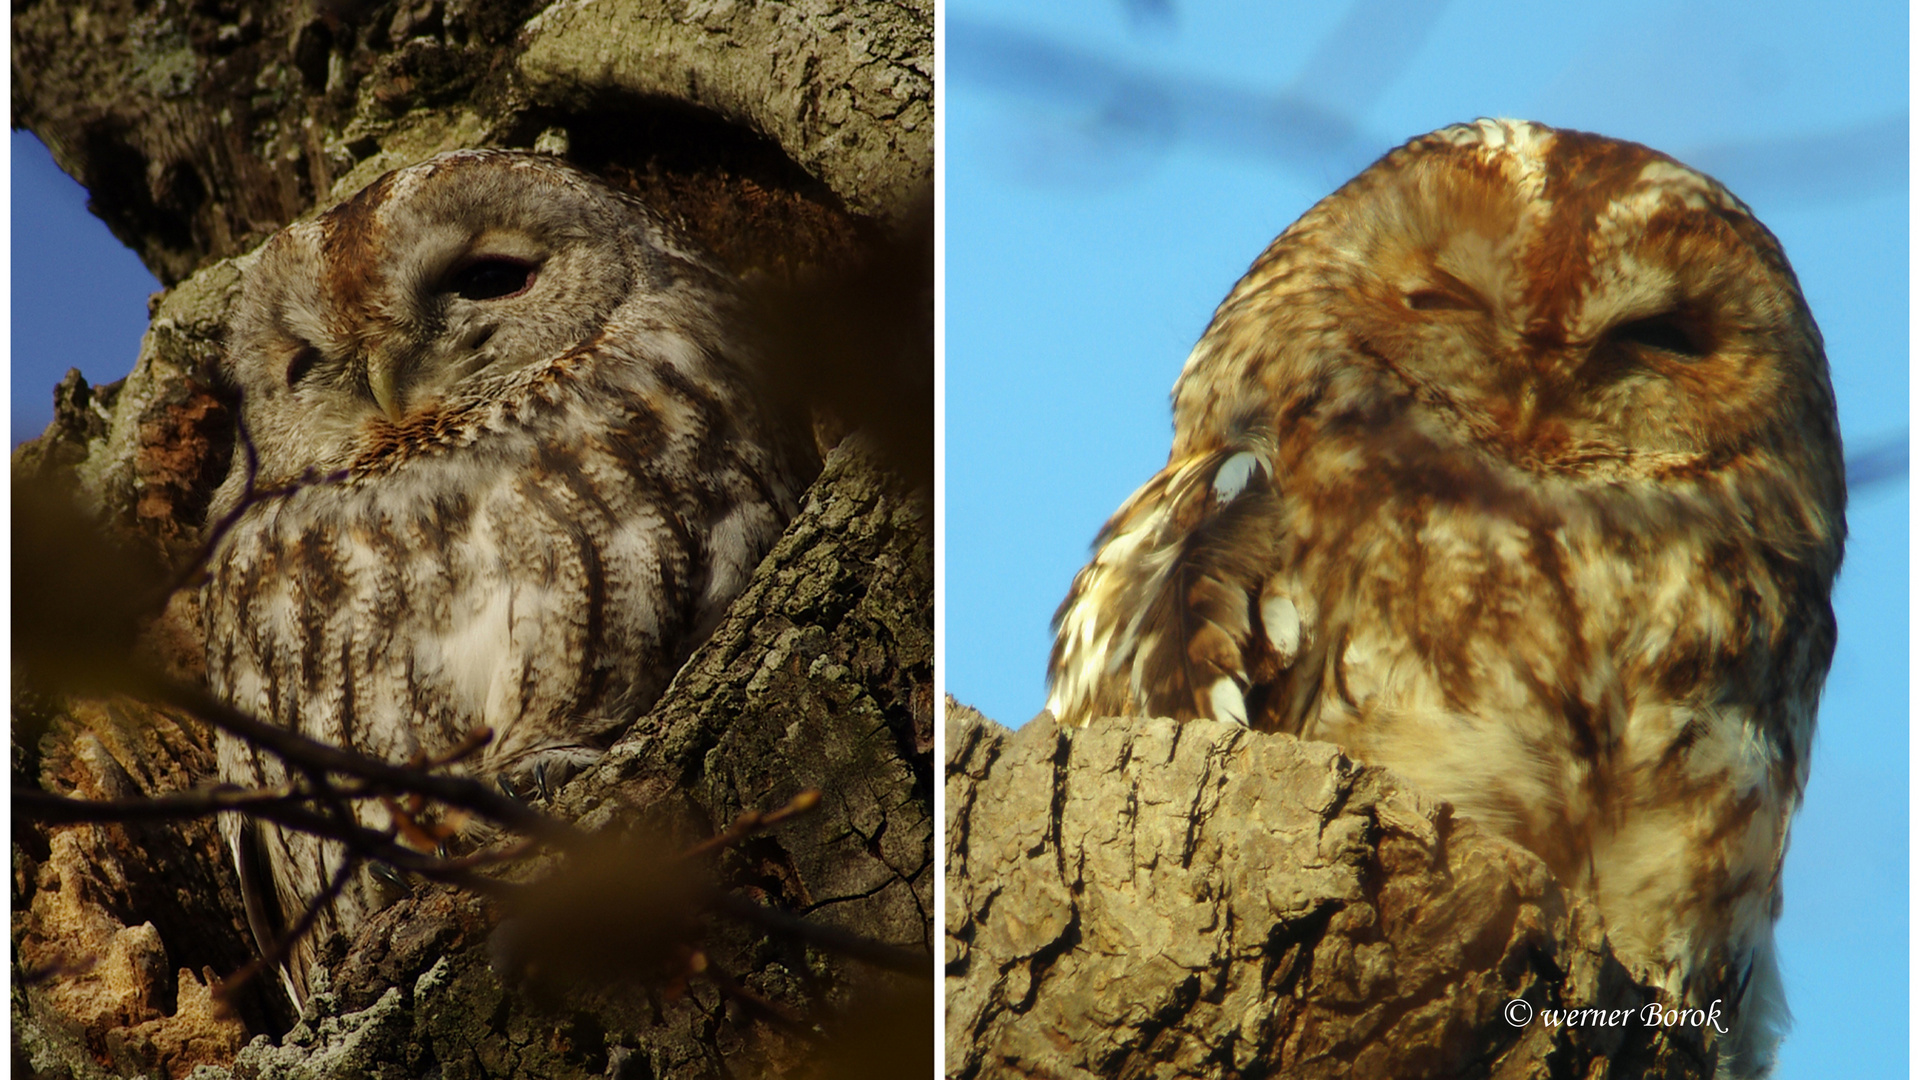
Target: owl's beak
x,y
383,385
1526,410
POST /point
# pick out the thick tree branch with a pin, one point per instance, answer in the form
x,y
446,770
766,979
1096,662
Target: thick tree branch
x,y
1151,899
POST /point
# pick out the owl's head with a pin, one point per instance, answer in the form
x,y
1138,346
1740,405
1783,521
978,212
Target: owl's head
x,y
434,278
1575,306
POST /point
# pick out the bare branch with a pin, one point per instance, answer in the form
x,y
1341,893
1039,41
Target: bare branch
x,y
374,844
311,754
190,574
832,938
752,822
64,810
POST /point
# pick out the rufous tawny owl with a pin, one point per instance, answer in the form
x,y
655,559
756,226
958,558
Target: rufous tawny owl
x,y
1513,466
512,466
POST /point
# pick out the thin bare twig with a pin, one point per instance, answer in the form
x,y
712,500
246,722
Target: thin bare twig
x,y
831,938
311,754
67,810
243,439
474,741
753,821
699,963
373,844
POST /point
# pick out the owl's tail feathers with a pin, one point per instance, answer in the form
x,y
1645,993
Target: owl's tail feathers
x,y
1759,1017
1169,618
258,895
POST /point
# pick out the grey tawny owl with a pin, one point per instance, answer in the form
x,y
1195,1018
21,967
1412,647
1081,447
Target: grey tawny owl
x,y
511,468
1513,465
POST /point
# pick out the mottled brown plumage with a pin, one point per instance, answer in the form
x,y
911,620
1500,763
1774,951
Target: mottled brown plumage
x,y
1513,465
518,468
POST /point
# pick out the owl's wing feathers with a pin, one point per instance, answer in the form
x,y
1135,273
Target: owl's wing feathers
x,y
1166,620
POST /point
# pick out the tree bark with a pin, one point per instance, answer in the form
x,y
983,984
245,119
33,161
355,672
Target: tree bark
x,y
792,141
1153,899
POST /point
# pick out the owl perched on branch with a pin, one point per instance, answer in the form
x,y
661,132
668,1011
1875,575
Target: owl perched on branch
x,y
504,463
1513,466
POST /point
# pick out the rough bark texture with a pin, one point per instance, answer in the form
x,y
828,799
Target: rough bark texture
x,y
844,91
119,932
1147,898
199,128
784,137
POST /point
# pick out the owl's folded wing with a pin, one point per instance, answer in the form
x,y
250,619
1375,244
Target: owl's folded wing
x,y
1170,617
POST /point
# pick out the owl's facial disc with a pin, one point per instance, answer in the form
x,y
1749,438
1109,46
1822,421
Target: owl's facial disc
x,y
459,291
1579,328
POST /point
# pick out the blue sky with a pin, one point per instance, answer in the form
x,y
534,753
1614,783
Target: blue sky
x,y
1112,167
79,295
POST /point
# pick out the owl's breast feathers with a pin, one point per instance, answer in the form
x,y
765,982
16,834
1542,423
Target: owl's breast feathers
x,y
597,507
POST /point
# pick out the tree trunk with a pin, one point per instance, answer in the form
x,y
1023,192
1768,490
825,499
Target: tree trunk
x,y
1153,899
792,140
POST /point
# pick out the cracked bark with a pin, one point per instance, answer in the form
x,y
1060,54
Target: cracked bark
x,y
788,141
1151,899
